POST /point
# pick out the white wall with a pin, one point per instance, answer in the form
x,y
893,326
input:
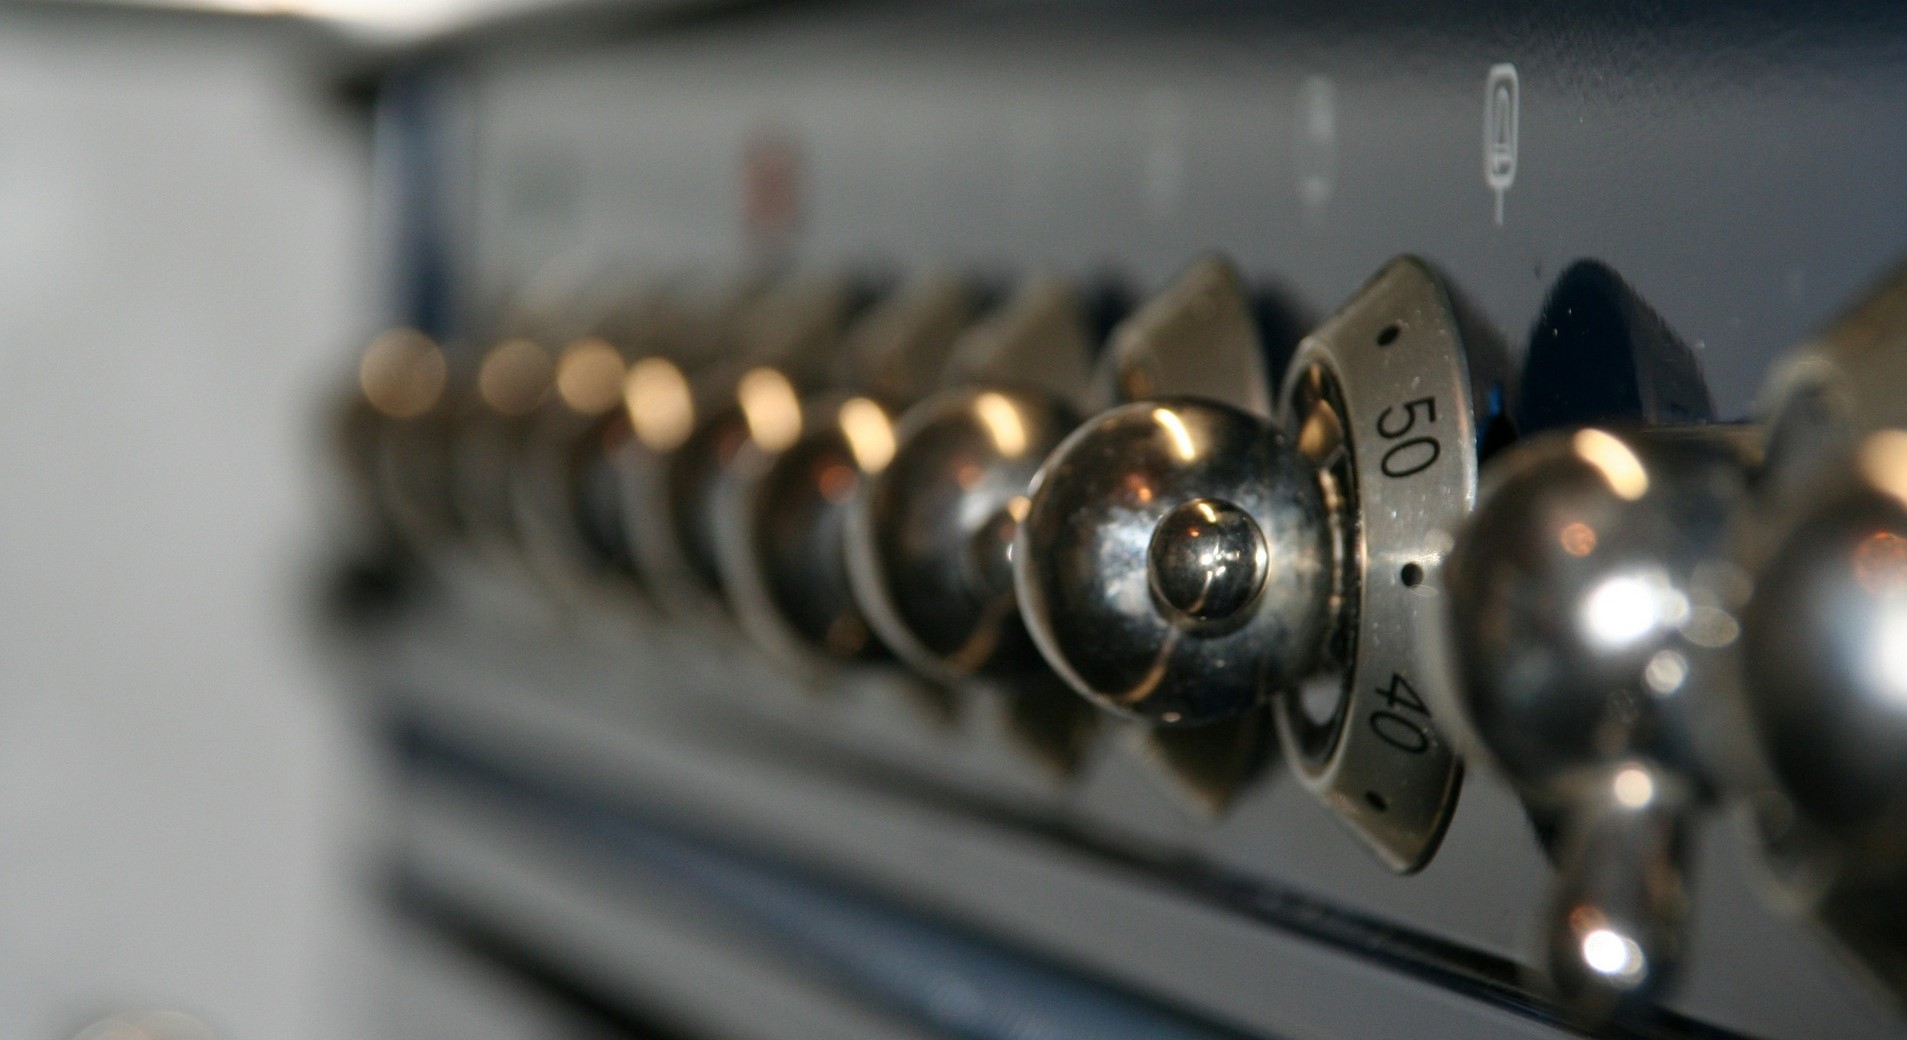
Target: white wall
x,y
182,235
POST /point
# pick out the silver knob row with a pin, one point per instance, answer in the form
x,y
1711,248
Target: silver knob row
x,y
1632,614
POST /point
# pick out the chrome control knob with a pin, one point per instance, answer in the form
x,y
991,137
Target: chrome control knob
x,y
930,541
693,412
781,535
1178,561
1198,339
1824,648
1590,598
565,490
1185,561
1824,679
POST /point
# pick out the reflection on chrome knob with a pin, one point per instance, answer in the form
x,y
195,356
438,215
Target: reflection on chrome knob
x,y
1824,647
1207,561
1590,599
1175,561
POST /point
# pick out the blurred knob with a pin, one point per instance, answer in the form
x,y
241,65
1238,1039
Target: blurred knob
x,y
1177,561
1825,663
1825,687
567,494
930,540
1824,671
513,380
1828,395
1589,598
403,442
933,533
781,536
692,411
621,396
780,539
401,377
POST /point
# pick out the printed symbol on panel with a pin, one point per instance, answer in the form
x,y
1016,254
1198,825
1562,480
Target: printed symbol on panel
x,y
1499,132
773,188
1315,152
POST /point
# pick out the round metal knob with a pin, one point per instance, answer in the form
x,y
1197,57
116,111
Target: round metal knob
x,y
930,541
1589,597
567,488
692,418
783,547
1824,685
781,541
1824,647
1825,666
1175,561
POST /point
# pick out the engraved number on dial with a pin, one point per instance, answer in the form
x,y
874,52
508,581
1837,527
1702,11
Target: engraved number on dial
x,y
1395,725
1408,457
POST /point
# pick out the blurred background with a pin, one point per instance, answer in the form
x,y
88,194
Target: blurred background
x,y
184,257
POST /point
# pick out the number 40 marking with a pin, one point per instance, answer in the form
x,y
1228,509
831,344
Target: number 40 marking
x,y
1393,725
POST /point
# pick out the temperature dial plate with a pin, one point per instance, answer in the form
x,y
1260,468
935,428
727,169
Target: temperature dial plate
x,y
1385,399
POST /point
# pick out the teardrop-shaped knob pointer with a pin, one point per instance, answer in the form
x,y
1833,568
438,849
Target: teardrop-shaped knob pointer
x,y
1618,917
1134,515
1824,398
1196,338
1591,603
930,543
1600,354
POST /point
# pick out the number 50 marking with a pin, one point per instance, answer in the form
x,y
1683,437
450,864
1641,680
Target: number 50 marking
x,y
1407,458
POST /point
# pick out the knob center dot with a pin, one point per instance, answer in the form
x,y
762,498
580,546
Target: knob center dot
x,y
1207,560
